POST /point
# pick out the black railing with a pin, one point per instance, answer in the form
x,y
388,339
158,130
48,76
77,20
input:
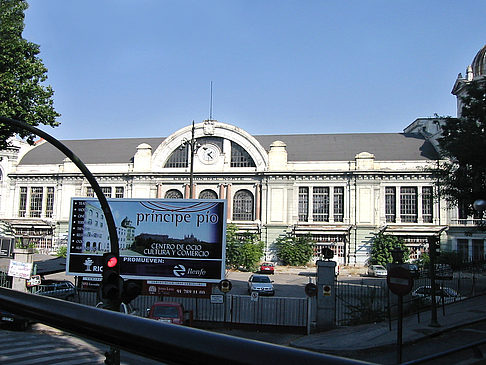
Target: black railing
x,y
159,341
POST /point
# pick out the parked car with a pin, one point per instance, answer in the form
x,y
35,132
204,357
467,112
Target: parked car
x,y
413,269
260,284
423,293
377,270
62,289
267,267
169,312
442,272
124,308
14,320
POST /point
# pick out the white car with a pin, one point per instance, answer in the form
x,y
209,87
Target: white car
x,y
447,294
260,284
377,270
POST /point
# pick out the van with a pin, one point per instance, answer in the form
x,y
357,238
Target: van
x,y
169,312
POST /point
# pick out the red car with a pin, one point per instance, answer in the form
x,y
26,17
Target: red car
x,y
267,268
168,312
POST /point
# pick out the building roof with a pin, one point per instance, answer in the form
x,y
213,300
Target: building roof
x,y
300,147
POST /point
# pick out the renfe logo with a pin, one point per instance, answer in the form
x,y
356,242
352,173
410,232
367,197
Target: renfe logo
x,y
179,270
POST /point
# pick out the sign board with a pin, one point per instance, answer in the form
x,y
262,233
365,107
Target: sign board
x,y
399,280
19,269
159,239
33,281
254,296
177,288
217,299
326,290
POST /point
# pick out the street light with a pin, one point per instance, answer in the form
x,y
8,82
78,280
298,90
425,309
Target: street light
x,y
193,146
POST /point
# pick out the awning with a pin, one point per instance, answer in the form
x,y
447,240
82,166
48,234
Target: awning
x,y
29,223
329,229
413,230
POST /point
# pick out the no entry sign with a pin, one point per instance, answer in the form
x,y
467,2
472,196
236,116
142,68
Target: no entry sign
x,y
399,280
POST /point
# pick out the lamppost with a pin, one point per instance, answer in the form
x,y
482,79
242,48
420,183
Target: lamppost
x,y
193,146
480,206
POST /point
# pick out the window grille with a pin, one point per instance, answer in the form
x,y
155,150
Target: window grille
x,y
23,202
408,204
427,204
339,204
89,192
49,202
390,204
106,191
119,192
303,204
208,194
240,157
320,199
179,157
36,194
243,206
173,194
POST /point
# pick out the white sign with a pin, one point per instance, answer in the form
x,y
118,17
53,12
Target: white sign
x,y
217,299
19,269
254,296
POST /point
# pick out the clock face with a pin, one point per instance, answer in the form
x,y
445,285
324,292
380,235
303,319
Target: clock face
x,y
208,153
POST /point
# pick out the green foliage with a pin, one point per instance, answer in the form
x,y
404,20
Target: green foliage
x,y
368,308
242,250
22,73
454,259
22,243
62,251
423,261
294,250
462,178
381,249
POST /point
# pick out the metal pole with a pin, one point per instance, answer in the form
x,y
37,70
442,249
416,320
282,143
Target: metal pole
x,y
399,329
89,176
433,288
191,173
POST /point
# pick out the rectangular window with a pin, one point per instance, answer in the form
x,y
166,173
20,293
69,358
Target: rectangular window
x,y
303,204
478,250
106,191
320,196
89,192
23,202
36,194
339,204
463,248
427,204
390,204
119,192
49,202
408,204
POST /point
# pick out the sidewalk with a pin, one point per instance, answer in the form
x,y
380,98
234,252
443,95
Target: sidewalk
x,y
370,336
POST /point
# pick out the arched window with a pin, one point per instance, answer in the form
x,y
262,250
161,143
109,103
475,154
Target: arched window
x,y
178,158
208,194
243,206
173,194
239,156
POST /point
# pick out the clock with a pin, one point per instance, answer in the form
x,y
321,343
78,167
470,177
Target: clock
x,y
208,153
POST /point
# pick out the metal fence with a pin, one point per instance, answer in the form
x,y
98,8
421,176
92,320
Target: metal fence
x,y
236,309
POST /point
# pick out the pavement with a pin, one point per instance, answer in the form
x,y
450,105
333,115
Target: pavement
x,y
376,335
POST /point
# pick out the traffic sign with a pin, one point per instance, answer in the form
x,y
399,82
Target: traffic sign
x,y
399,280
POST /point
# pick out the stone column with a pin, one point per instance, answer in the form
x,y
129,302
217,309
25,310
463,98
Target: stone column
x,y
228,200
186,191
22,255
257,201
221,191
159,191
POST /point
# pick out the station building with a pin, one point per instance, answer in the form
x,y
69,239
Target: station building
x,y
341,189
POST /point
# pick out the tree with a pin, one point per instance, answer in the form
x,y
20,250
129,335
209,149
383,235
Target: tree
x,y
23,95
242,250
382,247
294,250
462,177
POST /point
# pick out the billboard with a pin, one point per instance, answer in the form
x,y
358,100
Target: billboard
x,y
159,239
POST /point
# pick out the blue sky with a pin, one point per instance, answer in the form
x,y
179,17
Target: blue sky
x,y
126,68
